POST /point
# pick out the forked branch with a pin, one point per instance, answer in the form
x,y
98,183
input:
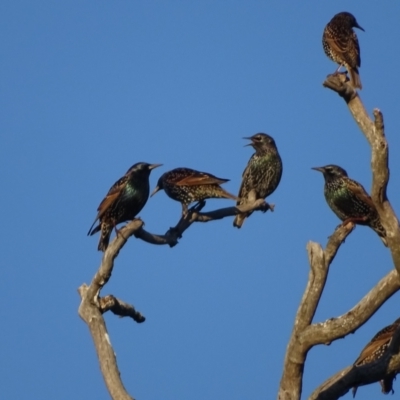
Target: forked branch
x,y
93,306
296,352
374,132
333,329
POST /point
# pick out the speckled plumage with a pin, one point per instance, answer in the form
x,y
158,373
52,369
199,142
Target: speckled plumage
x,y
188,185
262,173
123,202
374,350
340,44
349,200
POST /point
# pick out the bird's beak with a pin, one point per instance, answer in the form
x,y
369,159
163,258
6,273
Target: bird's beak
x,y
248,138
152,166
156,189
359,27
320,169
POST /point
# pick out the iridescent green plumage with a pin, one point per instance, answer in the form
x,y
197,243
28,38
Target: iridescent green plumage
x,y
123,202
188,185
349,200
262,174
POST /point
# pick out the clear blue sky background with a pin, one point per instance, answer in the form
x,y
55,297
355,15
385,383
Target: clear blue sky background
x,y
88,89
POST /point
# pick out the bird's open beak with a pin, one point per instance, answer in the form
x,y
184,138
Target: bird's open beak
x,y
320,169
152,166
248,138
156,189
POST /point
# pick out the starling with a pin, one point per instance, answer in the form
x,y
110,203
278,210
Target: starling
x,y
262,174
187,185
374,350
123,202
341,44
349,200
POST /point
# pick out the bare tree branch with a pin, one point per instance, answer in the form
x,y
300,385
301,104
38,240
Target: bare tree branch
x,y
194,215
340,383
375,134
93,306
90,310
91,314
337,328
120,308
296,352
333,329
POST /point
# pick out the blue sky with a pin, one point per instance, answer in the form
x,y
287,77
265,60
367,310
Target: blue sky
x,y
90,88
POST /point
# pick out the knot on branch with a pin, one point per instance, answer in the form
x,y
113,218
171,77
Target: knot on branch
x,y
339,83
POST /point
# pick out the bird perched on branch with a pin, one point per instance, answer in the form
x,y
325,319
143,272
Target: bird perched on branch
x,y
374,350
123,202
340,44
262,174
187,185
349,200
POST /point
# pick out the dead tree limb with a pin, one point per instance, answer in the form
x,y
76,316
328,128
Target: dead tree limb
x,y
91,311
374,132
93,306
194,215
306,335
296,352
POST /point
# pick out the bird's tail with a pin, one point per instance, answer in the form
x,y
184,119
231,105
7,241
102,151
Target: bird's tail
x,y
226,195
387,384
355,78
104,237
380,230
239,219
94,230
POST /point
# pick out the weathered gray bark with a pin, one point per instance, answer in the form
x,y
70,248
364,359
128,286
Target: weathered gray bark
x,y
306,334
93,306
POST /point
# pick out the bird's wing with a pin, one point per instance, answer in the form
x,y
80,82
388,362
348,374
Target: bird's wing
x,y
371,348
387,329
356,48
359,191
344,47
199,178
110,198
246,180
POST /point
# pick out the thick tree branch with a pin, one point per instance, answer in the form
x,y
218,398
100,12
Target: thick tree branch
x,y
353,376
375,134
296,352
337,328
90,313
349,322
92,307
